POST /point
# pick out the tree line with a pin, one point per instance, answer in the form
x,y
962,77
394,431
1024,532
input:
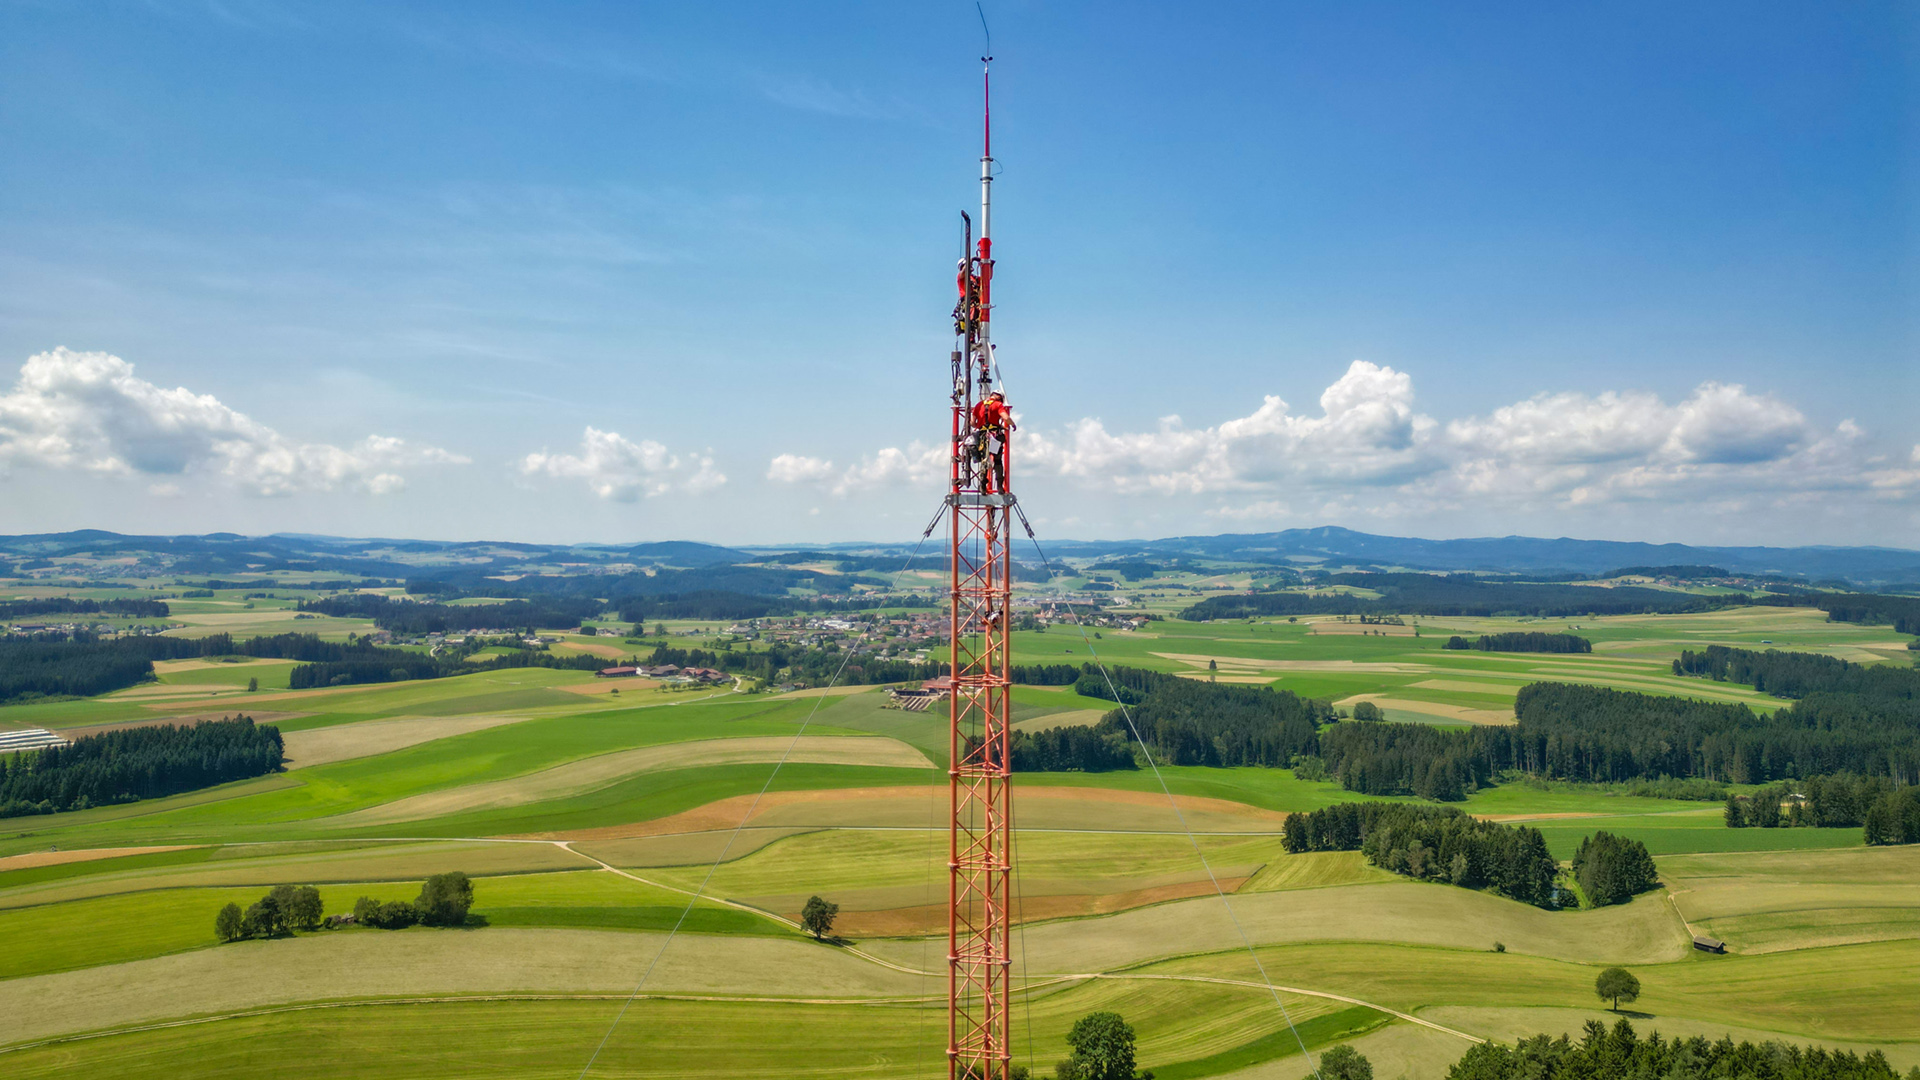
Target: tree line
x,y
67,605
1828,802
1523,641
136,763
811,666
1433,843
1620,1054
1452,595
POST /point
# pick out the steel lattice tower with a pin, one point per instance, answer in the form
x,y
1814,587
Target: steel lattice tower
x,y
980,841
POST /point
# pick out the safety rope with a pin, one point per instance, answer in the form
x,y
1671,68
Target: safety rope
x,y
1147,752
699,892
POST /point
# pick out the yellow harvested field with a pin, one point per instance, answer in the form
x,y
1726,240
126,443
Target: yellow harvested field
x,y
1029,908
1324,627
608,686
56,858
1316,870
581,648
1771,901
925,806
828,691
358,863
175,667
1200,660
341,742
1645,931
1401,1050
376,963
1433,708
1465,686
1072,718
588,774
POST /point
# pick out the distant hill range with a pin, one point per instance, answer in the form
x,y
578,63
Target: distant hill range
x,y
1517,554
217,554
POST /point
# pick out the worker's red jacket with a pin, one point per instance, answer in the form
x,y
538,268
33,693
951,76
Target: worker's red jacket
x,y
990,415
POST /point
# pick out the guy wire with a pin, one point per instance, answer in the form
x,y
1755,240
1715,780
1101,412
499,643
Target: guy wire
x,y
1127,714
700,892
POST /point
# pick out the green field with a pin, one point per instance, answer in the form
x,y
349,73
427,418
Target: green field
x,y
588,820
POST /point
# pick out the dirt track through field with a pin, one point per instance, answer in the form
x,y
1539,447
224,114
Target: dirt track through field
x,y
576,777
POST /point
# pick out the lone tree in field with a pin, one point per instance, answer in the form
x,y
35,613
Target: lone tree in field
x,y
226,925
817,917
1343,1062
1102,1045
1367,710
1617,984
444,899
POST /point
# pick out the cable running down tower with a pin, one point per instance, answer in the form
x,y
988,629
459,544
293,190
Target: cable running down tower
x,y
980,505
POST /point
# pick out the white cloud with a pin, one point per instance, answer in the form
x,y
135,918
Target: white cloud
x,y
89,411
799,469
1367,433
918,464
1371,453
622,470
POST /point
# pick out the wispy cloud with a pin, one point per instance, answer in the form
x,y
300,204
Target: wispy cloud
x,y
621,470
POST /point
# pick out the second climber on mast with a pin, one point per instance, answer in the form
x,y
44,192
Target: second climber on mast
x,y
992,423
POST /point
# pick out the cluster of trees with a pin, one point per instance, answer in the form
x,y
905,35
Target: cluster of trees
x,y
67,605
1900,612
283,910
812,666
1452,594
422,617
444,900
1403,759
1621,1054
1187,722
1594,734
1072,749
54,665
1894,818
136,763
1838,801
1526,641
1799,675
1611,869
1181,721
1433,843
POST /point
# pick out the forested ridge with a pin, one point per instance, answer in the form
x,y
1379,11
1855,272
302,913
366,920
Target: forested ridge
x,y
66,605
1452,594
1433,843
136,763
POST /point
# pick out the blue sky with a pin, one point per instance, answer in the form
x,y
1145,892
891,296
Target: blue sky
x,y
635,271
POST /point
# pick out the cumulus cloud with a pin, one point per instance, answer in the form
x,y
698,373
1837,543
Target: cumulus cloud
x,y
1367,433
919,464
799,469
622,470
88,411
1370,451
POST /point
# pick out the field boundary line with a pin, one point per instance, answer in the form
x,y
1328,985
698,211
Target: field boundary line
x,y
453,999
1251,985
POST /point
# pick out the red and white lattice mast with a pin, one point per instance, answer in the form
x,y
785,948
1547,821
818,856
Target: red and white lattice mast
x,y
980,505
